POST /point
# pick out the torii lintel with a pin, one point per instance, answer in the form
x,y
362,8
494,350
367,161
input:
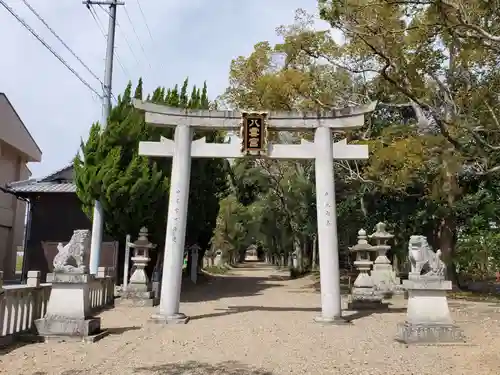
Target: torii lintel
x,y
306,150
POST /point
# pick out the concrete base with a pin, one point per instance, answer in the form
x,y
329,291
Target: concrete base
x,y
429,333
137,302
138,298
31,338
384,278
399,290
338,320
137,294
173,319
64,327
87,339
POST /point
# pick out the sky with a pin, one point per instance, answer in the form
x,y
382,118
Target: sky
x,y
189,38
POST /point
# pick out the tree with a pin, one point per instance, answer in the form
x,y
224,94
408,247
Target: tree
x,y
109,169
269,80
440,60
134,189
432,138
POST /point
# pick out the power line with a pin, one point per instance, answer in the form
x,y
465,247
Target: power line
x,y
149,31
136,35
145,20
101,28
124,35
39,38
60,40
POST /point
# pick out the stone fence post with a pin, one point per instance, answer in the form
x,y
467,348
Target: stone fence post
x,y
101,272
33,279
108,286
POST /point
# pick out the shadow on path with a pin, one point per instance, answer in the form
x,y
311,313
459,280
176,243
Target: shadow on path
x,y
121,330
242,309
193,368
363,314
348,314
247,281
185,368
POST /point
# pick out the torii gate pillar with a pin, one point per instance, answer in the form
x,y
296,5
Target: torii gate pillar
x,y
183,148
175,236
331,307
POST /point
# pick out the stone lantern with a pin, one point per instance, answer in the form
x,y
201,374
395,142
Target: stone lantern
x,y
139,287
363,294
383,274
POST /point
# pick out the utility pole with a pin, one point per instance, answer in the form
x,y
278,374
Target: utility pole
x,y
98,217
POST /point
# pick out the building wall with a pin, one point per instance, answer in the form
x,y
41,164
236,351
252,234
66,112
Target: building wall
x,y
15,133
53,218
12,211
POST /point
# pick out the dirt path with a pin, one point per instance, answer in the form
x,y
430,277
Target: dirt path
x,y
254,321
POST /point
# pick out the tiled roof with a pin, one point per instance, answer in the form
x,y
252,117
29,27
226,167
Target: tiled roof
x,y
42,187
53,183
55,174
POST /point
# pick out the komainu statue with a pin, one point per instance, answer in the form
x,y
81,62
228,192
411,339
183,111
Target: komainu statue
x,y
422,258
70,258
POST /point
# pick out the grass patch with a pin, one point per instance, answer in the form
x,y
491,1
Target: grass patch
x,y
19,263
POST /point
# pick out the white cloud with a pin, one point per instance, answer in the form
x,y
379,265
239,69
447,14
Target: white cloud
x,y
195,38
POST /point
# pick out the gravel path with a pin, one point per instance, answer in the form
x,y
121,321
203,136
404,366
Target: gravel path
x,y
254,321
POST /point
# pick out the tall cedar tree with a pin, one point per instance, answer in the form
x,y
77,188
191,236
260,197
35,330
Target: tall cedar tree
x,y
133,189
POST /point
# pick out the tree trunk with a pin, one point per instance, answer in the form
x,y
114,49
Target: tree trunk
x,y
447,234
299,253
306,253
447,241
314,253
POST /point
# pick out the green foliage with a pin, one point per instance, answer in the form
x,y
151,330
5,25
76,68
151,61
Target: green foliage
x,y
433,158
133,189
109,169
478,254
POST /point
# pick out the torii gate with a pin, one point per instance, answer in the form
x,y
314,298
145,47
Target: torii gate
x,y
254,133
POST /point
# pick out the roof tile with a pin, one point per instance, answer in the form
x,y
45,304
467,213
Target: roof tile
x,y
43,187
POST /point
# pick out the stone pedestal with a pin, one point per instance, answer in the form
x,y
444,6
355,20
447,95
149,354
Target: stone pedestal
x,y
428,317
383,275
218,261
364,296
68,310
